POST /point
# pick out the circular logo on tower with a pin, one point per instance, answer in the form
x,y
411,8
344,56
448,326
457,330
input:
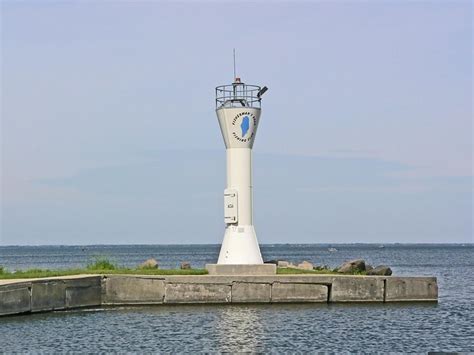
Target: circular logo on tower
x,y
243,126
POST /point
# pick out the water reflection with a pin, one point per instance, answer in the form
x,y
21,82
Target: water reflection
x,y
240,327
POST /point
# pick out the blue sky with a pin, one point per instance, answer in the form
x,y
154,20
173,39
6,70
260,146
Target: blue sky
x,y
109,133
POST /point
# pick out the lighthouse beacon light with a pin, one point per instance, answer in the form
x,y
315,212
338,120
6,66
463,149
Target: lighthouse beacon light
x,y
238,109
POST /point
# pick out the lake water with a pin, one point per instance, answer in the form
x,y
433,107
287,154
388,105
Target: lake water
x,y
447,326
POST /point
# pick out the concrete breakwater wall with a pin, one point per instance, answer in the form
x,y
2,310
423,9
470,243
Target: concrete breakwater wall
x,y
62,293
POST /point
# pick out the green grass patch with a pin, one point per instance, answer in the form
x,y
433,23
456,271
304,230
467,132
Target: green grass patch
x,y
35,273
100,266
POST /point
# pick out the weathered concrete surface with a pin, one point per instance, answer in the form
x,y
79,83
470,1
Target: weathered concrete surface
x,y
15,298
229,279
199,279
357,289
85,292
132,289
48,295
411,289
20,296
299,292
243,292
197,293
224,269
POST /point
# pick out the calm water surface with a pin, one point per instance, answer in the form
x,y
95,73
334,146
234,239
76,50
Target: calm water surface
x,y
448,326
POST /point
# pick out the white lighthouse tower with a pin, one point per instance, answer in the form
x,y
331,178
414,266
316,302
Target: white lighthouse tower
x,y
238,108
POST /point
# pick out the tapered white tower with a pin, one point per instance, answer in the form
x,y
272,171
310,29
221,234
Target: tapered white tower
x,y
238,108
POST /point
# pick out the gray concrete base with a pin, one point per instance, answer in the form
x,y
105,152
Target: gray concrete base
x,y
411,289
42,295
229,269
49,294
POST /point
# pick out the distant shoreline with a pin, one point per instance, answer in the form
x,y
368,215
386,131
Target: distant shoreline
x,y
470,244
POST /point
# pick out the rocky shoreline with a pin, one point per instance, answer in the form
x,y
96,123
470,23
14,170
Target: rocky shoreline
x,y
351,267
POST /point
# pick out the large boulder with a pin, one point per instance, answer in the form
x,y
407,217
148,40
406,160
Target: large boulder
x,y
305,265
283,263
351,267
149,264
380,270
185,266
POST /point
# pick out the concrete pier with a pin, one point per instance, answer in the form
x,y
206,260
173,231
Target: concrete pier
x,y
62,293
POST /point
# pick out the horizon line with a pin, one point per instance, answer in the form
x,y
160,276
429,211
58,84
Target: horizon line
x,y
218,244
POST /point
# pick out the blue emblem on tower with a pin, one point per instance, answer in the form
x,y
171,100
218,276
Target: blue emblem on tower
x,y
245,125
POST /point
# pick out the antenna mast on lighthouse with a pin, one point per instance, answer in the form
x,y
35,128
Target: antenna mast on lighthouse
x,y
235,72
